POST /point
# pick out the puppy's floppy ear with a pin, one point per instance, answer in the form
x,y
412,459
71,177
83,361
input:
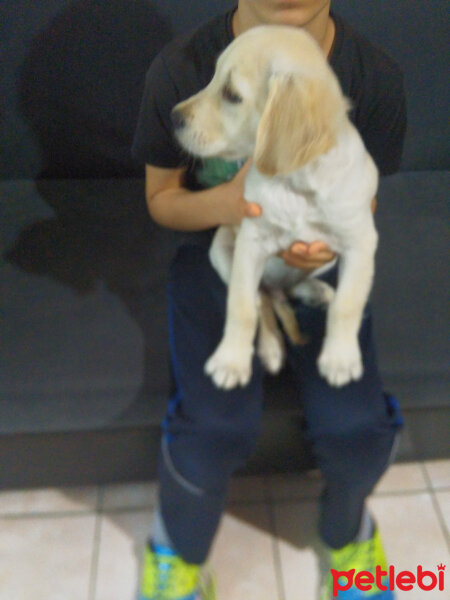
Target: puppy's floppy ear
x,y
297,125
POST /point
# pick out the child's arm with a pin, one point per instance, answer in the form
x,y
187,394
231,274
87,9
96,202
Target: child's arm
x,y
172,205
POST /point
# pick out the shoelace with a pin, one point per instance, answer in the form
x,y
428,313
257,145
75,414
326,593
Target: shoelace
x,y
164,567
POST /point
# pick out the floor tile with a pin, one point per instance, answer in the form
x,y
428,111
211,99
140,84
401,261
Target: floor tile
x,y
406,450
402,477
144,495
122,540
439,472
46,558
48,500
244,532
412,536
399,477
247,489
242,556
292,486
443,499
245,554
129,495
409,525
296,526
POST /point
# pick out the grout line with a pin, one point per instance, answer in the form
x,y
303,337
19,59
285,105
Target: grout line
x,y
101,490
437,506
411,492
426,476
393,493
275,545
146,507
436,487
49,515
113,510
254,502
291,499
269,496
93,577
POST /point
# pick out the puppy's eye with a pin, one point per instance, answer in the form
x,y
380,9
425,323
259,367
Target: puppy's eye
x,y
230,96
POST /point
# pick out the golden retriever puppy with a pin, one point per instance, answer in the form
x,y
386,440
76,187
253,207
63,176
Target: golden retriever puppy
x,y
275,98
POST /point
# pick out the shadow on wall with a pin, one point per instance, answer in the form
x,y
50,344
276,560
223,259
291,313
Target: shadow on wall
x,y
82,83
80,91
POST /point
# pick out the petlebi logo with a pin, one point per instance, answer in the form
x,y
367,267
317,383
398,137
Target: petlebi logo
x,y
389,579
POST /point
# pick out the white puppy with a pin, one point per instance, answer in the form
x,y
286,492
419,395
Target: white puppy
x,y
275,98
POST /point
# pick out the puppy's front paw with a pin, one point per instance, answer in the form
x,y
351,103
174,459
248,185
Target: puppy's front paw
x,y
229,367
340,363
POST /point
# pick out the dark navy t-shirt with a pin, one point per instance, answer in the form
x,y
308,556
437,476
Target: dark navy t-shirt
x,y
368,76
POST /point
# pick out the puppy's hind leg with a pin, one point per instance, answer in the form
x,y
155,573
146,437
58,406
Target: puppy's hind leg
x,y
313,292
270,345
288,320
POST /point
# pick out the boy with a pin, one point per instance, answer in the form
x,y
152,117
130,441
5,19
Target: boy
x,y
209,433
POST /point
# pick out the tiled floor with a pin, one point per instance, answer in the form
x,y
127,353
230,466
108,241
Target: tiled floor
x,y
85,544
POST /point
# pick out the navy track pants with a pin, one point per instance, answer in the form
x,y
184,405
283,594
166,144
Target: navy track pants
x,y
209,433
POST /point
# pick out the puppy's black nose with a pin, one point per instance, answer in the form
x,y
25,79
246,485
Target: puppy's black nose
x,y
178,120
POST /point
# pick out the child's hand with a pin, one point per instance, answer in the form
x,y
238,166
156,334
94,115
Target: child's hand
x,y
237,207
307,257
300,255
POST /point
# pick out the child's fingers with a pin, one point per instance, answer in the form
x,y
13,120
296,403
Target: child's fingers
x,y
318,247
308,257
252,209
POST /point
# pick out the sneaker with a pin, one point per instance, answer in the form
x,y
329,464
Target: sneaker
x,y
360,556
166,576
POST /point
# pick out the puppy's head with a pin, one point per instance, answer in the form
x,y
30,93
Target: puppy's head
x,y
273,97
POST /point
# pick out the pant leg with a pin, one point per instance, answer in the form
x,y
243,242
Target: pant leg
x,y
352,429
208,433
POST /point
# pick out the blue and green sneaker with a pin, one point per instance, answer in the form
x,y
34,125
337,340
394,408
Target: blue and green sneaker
x,y
352,559
166,576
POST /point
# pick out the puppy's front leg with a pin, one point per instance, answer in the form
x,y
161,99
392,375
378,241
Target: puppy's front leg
x,y
340,359
230,365
222,250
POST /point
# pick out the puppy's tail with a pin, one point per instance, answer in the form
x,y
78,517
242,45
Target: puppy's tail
x,y
288,320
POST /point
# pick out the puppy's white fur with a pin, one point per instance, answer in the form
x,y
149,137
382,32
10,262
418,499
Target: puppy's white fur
x,y
274,98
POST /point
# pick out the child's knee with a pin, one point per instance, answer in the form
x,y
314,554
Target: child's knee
x,y
207,460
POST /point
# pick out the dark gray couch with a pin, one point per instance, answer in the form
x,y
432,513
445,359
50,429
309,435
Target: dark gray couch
x,y
85,370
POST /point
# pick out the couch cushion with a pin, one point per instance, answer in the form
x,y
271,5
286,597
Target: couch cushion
x,y
415,34
411,292
85,344
83,302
